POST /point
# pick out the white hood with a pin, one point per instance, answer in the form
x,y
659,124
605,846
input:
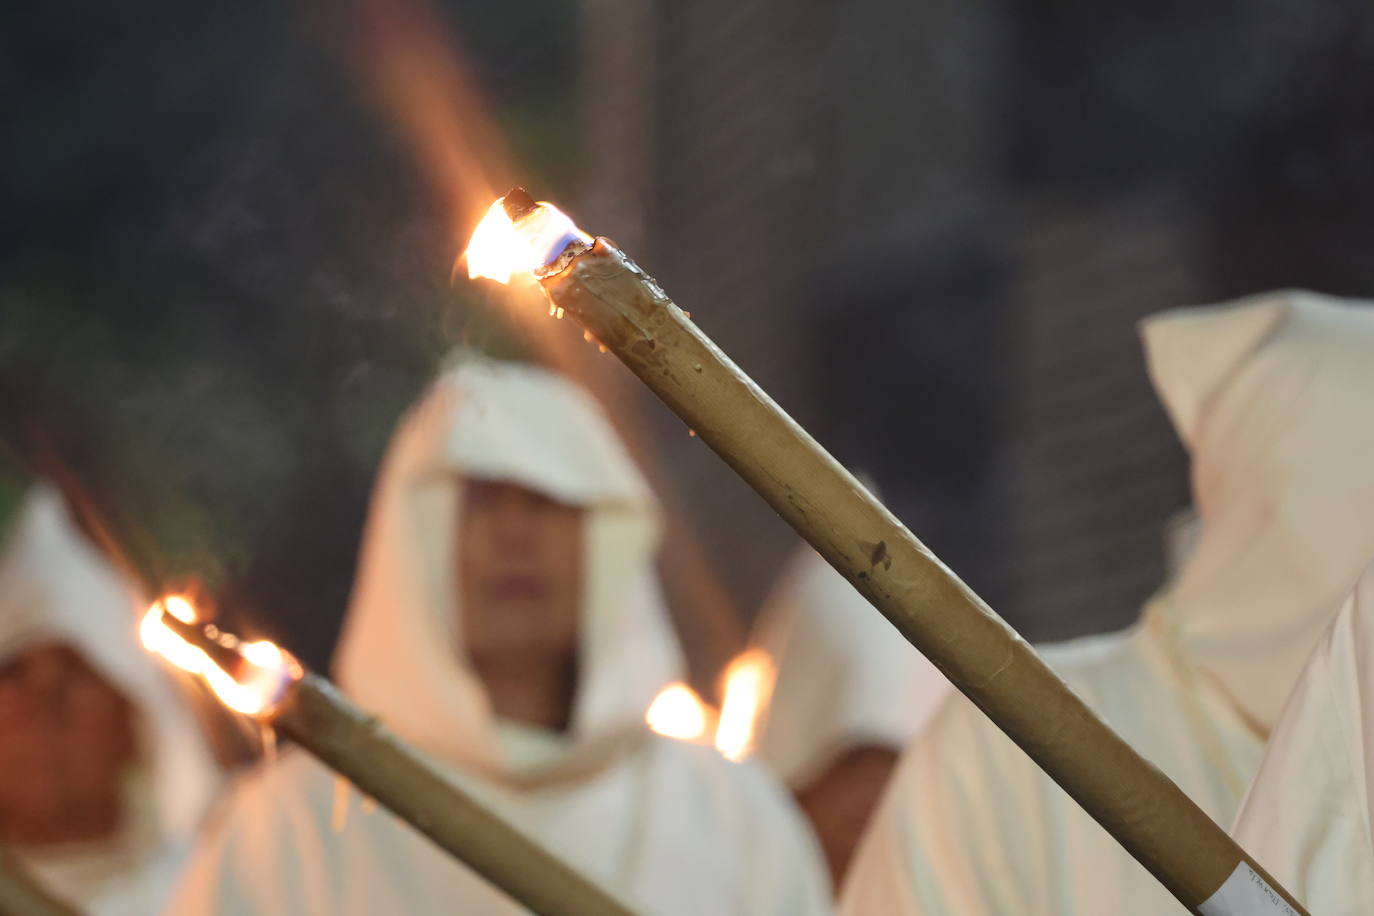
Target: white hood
x,y
399,654
55,588
1274,398
846,678
671,828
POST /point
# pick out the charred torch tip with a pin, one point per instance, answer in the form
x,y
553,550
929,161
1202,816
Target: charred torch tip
x,y
518,204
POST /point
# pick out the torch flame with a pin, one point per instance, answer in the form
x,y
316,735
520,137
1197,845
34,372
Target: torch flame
x,y
158,638
677,712
500,248
748,687
254,688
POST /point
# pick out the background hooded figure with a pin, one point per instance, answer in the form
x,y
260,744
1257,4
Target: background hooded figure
x,y
1274,398
668,827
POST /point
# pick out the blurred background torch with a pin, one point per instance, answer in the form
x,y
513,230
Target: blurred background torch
x,y
261,680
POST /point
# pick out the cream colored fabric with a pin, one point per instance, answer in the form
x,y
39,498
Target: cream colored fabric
x,y
399,654
1307,818
845,677
669,827
1274,397
55,588
971,827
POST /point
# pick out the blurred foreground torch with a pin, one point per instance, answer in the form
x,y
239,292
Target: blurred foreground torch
x,y
21,895
261,680
623,309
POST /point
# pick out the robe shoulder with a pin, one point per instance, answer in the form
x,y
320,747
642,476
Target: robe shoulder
x,y
745,809
970,825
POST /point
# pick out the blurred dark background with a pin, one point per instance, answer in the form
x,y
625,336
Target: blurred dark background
x,y
928,229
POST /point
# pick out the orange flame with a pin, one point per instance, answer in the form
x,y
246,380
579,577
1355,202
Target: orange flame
x,y
500,248
408,62
748,688
254,689
677,712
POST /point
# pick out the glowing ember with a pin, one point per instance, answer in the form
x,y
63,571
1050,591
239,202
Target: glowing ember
x,y
500,247
256,685
748,687
677,712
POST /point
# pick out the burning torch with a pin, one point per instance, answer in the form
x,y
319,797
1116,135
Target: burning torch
x,y
623,309
261,680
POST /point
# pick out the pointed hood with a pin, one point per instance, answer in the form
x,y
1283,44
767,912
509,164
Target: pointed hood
x,y
1274,398
399,654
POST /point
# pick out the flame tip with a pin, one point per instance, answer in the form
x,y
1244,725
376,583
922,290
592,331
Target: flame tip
x,y
256,687
748,688
519,235
677,712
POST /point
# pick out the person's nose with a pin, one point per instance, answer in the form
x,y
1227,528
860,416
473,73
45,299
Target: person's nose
x,y
517,524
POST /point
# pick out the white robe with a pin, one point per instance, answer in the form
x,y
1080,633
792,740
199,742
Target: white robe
x,y
668,827
56,589
1307,818
845,677
1274,397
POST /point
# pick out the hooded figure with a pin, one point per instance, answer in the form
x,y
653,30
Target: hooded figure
x,y
1309,815
850,694
104,773
668,827
1274,398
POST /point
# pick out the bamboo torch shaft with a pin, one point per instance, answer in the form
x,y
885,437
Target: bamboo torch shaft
x,y
358,747
1150,816
21,895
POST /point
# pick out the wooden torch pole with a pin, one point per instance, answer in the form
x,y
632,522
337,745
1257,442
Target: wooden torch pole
x,y
624,309
21,895
358,747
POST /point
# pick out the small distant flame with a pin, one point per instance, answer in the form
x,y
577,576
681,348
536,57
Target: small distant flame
x,y
748,688
255,687
677,712
500,248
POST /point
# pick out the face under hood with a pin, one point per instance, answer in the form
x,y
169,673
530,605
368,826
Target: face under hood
x,y
399,654
1274,398
55,588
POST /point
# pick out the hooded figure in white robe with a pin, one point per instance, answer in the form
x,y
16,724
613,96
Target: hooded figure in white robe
x,y
1308,817
667,827
68,634
850,694
1274,398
